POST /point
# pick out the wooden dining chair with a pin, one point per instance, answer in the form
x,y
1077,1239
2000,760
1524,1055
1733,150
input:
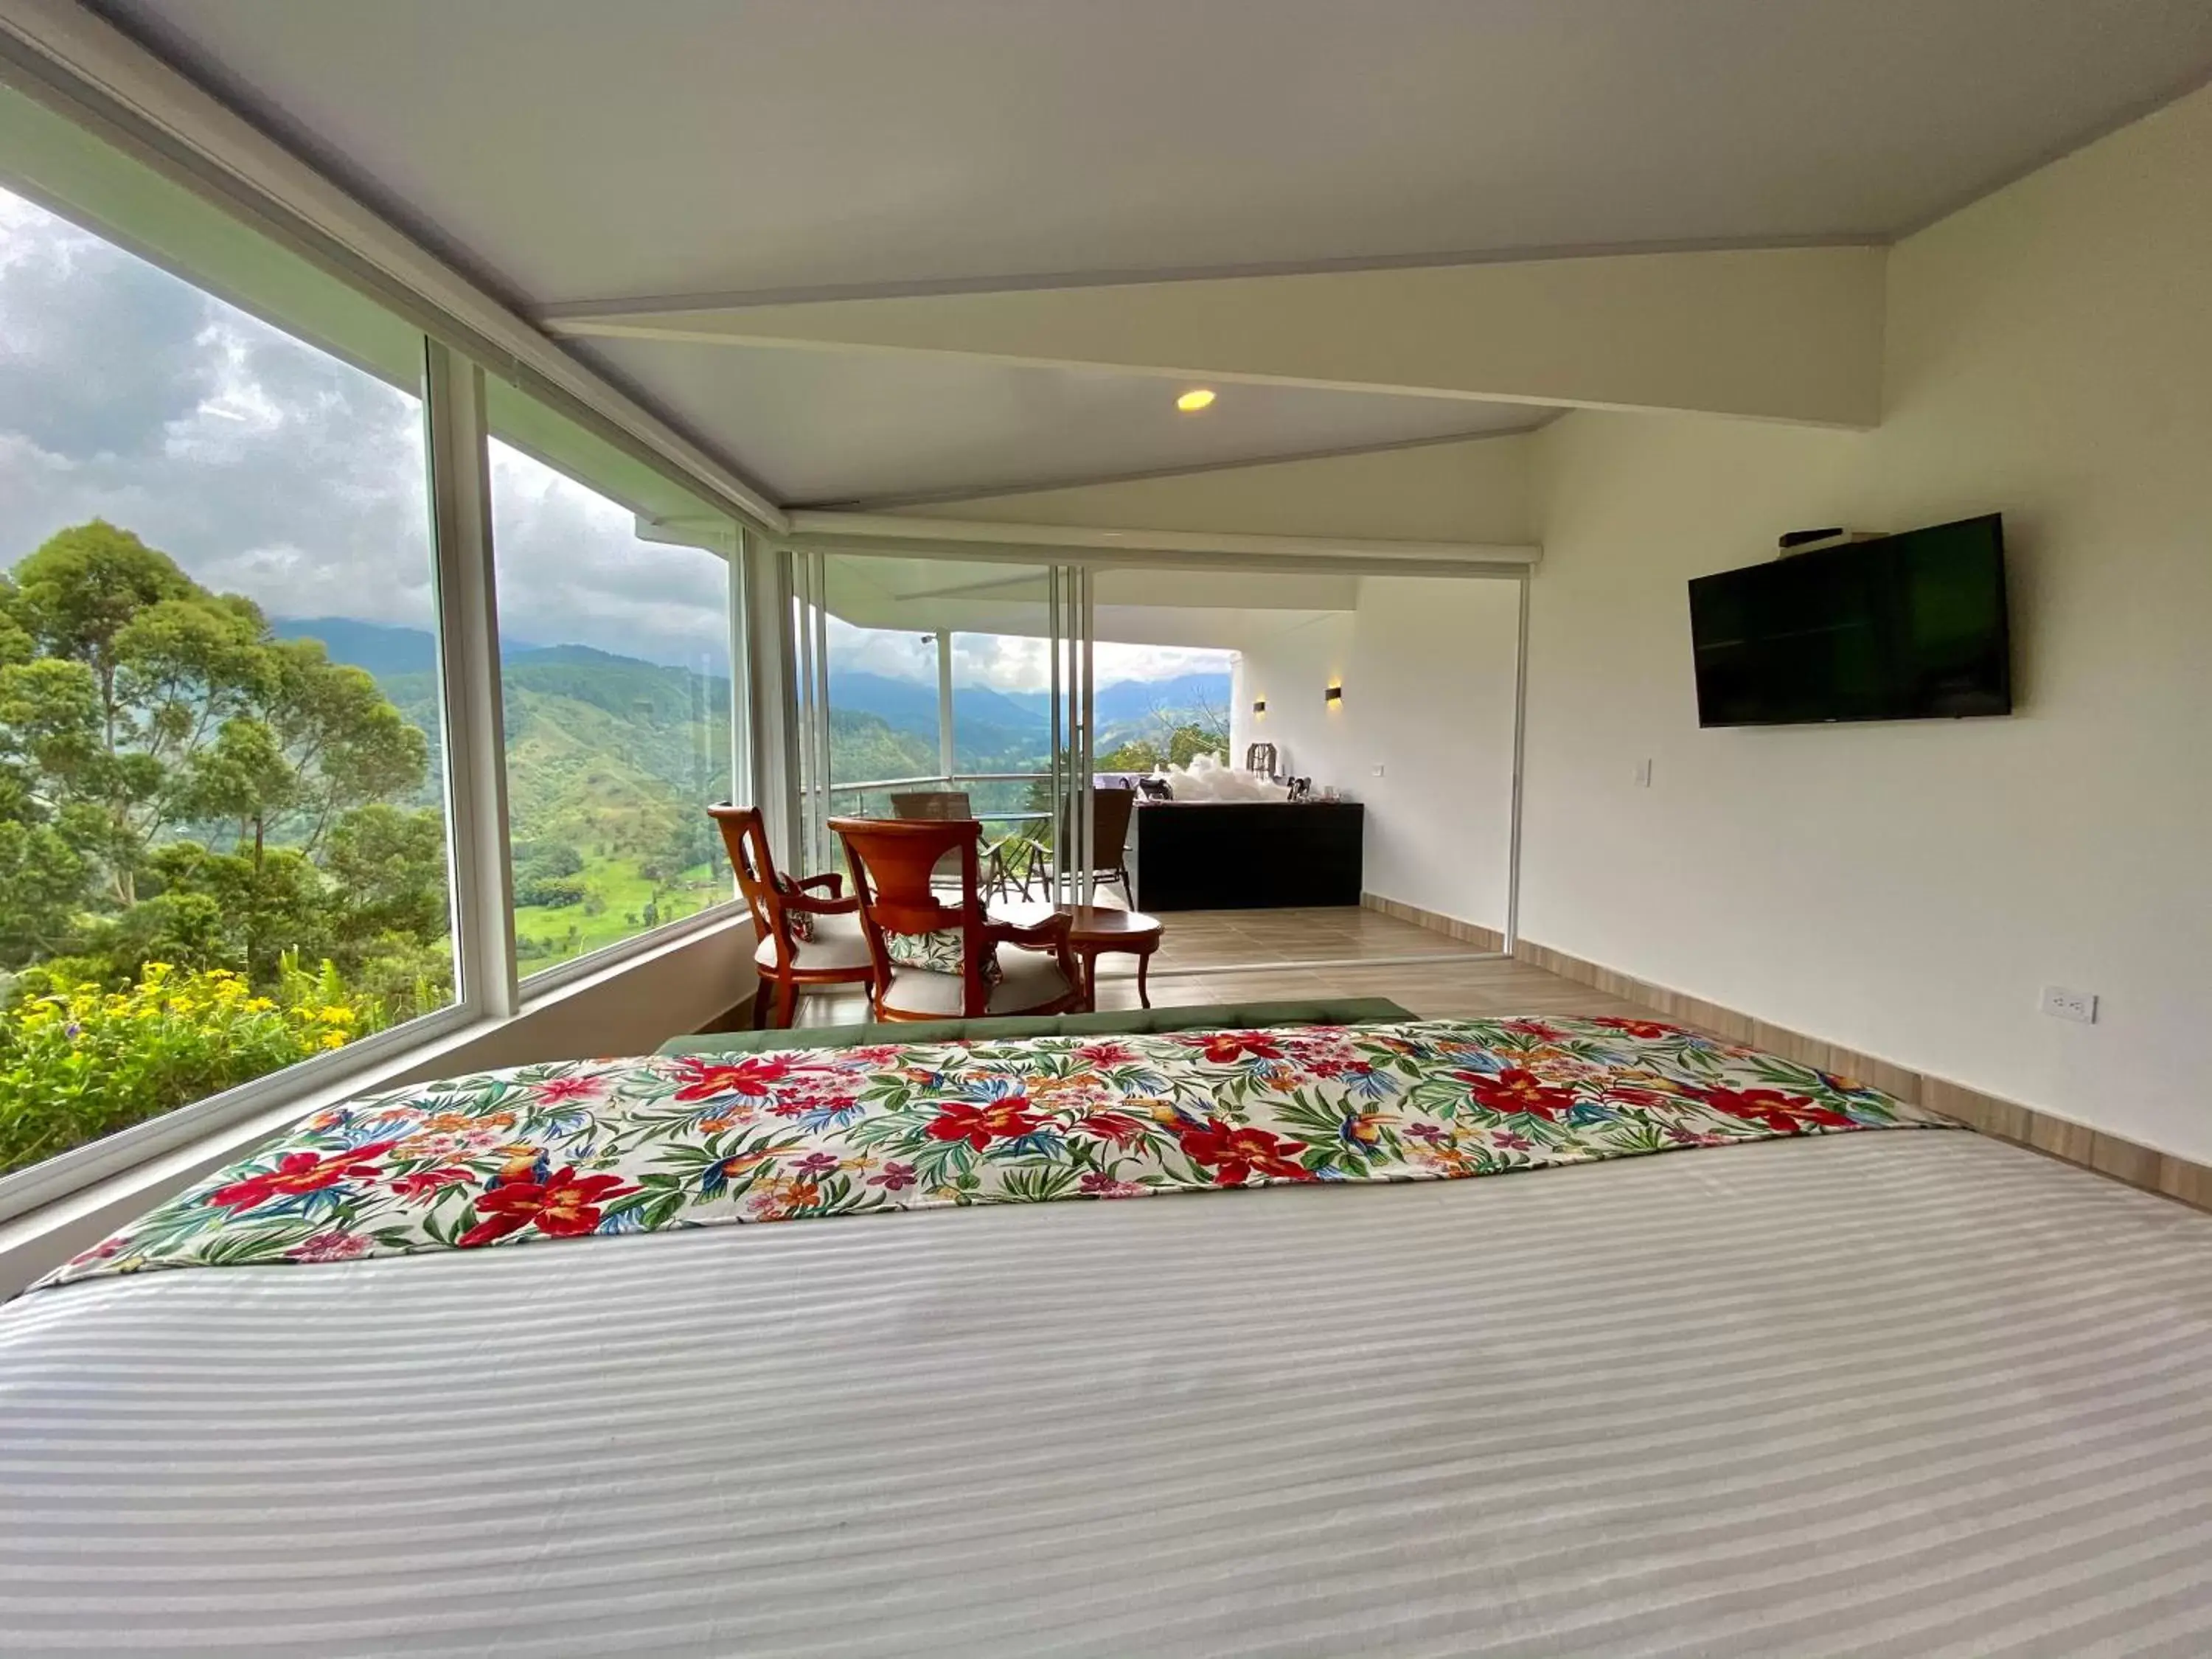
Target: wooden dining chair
x,y
806,943
936,958
1010,864
1110,812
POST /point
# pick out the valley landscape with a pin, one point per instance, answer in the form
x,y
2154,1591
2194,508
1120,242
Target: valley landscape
x,y
610,757
222,837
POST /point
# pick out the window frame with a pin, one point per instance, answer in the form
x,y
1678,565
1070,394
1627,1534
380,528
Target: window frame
x,y
488,987
537,983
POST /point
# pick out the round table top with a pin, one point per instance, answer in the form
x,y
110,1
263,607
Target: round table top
x,y
1093,922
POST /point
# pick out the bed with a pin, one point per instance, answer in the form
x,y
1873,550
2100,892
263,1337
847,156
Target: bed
x,y
1814,1381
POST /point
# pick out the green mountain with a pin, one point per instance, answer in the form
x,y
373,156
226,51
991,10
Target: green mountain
x,y
612,759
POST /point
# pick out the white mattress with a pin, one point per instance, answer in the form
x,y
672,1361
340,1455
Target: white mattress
x,y
1890,1393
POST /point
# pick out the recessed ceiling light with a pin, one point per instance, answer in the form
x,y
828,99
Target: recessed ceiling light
x,y
1193,400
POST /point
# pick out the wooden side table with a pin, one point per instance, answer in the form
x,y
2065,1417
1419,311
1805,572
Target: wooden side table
x,y
1095,931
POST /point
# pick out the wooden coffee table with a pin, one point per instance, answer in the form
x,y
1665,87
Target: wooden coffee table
x,y
1093,931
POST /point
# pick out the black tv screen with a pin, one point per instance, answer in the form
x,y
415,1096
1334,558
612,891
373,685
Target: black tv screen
x,y
1909,627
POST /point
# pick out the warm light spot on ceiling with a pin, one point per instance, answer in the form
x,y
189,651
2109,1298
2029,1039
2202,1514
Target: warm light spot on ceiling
x,y
1196,399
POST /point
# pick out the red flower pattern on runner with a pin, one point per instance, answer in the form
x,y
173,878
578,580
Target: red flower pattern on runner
x,y
979,1126
558,1207
298,1173
1235,1154
1516,1089
1222,1047
1117,1127
753,1076
425,1184
1784,1113
557,1090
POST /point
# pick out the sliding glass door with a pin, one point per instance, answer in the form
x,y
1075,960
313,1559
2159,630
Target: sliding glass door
x,y
919,678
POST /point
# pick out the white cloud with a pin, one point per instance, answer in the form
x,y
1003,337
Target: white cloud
x,y
268,468
1114,662
1007,662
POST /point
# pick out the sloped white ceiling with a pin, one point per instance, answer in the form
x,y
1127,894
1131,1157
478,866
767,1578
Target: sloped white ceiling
x,y
575,151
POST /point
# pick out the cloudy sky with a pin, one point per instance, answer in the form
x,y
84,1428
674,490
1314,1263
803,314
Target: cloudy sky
x,y
1006,662
269,469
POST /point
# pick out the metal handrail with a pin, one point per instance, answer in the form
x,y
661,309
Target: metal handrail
x,y
837,789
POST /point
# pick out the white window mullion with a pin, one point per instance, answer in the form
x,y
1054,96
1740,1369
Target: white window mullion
x,y
1085,757
469,684
773,685
744,786
825,857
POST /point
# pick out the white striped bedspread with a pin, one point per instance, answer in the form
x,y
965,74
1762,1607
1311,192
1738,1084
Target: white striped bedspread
x,y
1868,1394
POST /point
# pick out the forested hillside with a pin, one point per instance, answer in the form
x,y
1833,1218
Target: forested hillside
x,y
609,762
214,858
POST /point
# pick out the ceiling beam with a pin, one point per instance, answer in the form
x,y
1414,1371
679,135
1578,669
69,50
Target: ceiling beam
x,y
860,533
1786,334
960,494
1480,491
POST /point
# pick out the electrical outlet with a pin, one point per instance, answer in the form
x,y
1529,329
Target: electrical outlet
x,y
2062,1004
1643,775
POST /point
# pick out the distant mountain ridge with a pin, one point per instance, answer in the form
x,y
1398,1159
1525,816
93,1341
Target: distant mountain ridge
x,y
388,648
911,705
987,721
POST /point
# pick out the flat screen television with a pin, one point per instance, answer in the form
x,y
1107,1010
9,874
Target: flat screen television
x,y
1907,627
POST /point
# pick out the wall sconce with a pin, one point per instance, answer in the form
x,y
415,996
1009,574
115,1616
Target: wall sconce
x,y
1259,705
1333,696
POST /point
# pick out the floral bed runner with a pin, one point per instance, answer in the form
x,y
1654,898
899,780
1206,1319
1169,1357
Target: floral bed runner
x,y
562,1149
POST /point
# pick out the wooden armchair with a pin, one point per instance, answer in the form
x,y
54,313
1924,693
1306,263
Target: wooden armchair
x,y
806,943
891,861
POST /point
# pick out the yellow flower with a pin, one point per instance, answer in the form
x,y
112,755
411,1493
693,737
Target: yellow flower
x,y
334,1040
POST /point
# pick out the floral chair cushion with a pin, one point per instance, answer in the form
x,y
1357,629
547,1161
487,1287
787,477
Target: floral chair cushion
x,y
939,953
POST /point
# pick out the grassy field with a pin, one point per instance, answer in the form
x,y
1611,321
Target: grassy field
x,y
617,895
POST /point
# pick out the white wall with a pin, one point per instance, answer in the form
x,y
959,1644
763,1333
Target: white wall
x,y
1427,669
1291,668
1906,888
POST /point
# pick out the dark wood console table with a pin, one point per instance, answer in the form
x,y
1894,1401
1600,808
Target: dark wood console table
x,y
1246,856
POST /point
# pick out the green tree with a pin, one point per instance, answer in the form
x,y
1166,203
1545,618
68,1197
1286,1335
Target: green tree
x,y
1188,741
1138,755
177,784
51,838
1181,744
388,864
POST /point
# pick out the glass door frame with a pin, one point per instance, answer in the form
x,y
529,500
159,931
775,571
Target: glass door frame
x,y
1071,646
802,613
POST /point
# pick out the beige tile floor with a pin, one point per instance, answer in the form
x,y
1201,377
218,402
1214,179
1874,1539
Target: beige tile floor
x,y
1454,980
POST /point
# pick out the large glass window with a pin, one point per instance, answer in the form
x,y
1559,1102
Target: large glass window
x,y
221,843
615,673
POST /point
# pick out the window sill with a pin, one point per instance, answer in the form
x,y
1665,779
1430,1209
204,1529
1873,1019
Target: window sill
x,y
713,952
